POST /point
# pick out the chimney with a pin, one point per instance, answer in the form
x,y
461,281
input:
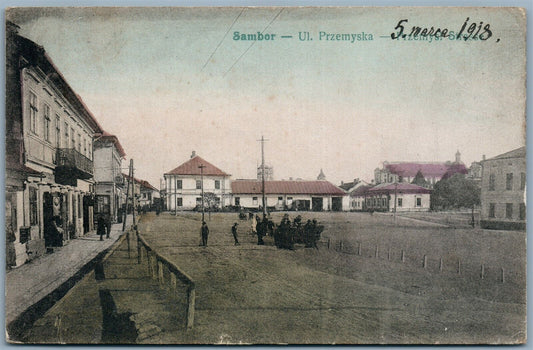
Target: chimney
x,y
193,154
483,157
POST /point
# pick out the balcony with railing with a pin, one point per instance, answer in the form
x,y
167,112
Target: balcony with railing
x,y
72,165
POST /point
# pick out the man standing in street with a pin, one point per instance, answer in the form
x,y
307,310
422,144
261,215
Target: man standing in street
x,y
205,233
234,232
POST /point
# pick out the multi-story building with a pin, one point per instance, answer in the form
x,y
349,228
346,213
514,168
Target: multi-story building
x,y
109,182
184,185
503,191
49,158
149,195
406,172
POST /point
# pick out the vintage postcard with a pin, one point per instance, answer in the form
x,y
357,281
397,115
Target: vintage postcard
x,y
265,175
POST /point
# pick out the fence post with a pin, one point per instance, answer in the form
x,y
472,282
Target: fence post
x,y
329,242
173,282
359,248
153,265
503,275
376,254
191,300
440,265
388,254
425,261
160,272
482,271
403,256
459,266
340,246
139,251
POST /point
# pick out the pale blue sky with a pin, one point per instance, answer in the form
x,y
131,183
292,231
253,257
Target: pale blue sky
x,y
334,105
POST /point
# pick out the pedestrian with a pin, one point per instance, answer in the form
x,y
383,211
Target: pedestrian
x,y
108,225
254,223
100,226
234,232
205,233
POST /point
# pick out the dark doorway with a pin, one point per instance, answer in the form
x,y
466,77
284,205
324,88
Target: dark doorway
x,y
318,203
50,233
336,203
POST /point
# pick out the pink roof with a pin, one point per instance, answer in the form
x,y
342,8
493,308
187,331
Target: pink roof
x,y
427,169
398,188
191,167
317,187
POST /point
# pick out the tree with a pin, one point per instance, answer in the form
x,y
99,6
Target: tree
x,y
210,202
455,192
419,179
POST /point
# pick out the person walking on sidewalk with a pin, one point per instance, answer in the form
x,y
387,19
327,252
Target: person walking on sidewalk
x,y
108,225
205,233
234,232
100,226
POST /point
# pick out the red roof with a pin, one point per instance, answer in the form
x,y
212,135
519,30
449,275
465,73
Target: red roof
x,y
427,169
387,188
360,191
317,187
147,185
191,167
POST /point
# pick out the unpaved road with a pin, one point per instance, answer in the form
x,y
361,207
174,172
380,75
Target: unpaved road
x,y
259,294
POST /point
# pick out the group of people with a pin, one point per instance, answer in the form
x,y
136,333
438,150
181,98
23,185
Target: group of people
x,y
103,225
287,233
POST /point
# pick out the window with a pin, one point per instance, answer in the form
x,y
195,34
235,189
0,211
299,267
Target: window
x,y
492,182
149,196
400,202
58,131
492,210
79,143
144,195
33,112
46,113
237,200
280,200
509,210
179,202
217,184
72,141
67,135
522,181
522,213
198,184
179,184
254,200
419,202
84,147
33,206
509,182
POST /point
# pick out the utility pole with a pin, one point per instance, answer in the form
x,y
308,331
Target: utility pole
x,y
395,199
127,196
201,166
263,174
132,190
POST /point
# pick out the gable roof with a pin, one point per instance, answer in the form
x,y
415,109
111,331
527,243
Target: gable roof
x,y
516,153
409,169
146,184
191,167
398,188
317,187
360,191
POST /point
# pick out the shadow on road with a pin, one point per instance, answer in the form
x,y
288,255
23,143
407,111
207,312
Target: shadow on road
x,y
117,328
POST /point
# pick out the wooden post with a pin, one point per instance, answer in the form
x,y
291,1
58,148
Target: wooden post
x,y
425,261
403,256
503,275
160,272
459,266
139,252
191,300
340,246
329,242
359,248
376,254
173,282
440,265
388,254
482,271
153,265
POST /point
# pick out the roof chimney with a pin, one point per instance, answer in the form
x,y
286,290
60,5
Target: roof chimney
x,y
193,154
483,157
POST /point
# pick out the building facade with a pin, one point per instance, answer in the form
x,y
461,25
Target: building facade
x,y
319,195
184,184
405,172
397,197
149,195
503,191
109,182
49,158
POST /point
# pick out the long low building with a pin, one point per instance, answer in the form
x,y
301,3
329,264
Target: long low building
x,y
317,195
398,197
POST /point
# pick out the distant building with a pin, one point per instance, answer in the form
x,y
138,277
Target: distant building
x,y
405,172
184,184
149,194
349,201
475,171
408,197
316,195
357,197
49,158
269,173
321,176
109,182
503,191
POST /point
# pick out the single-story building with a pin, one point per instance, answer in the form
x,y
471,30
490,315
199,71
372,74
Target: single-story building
x,y
397,197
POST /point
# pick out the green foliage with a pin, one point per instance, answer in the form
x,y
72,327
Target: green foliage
x,y
419,179
455,192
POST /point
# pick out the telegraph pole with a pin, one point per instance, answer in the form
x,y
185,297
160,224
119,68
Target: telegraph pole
x,y
132,190
127,196
395,199
201,166
263,174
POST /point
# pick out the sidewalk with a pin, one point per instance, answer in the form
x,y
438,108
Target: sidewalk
x,y
28,284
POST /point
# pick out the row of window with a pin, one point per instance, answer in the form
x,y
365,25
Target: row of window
x,y
509,181
71,138
509,210
179,184
382,202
